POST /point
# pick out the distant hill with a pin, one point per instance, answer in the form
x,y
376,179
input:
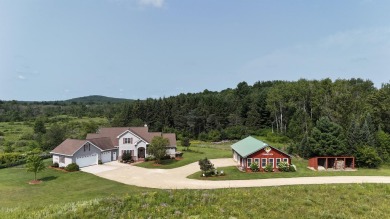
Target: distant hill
x,y
97,99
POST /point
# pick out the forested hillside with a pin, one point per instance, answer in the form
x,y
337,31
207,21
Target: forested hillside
x,y
318,116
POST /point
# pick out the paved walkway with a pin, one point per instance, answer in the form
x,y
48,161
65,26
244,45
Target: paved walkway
x,y
176,178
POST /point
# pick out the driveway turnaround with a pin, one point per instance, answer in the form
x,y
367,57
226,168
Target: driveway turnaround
x,y
176,178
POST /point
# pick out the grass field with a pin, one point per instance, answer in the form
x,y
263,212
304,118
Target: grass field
x,y
232,173
57,188
82,195
20,134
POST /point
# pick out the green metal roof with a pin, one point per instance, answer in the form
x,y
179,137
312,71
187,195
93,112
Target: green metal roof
x,y
248,146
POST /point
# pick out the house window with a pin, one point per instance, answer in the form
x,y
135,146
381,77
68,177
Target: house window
x,y
127,140
278,160
84,148
257,160
249,162
271,161
62,159
285,160
263,162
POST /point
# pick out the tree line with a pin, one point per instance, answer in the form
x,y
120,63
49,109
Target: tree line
x,y
315,117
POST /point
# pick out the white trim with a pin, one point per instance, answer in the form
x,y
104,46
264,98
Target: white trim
x,y
258,163
273,162
142,139
280,160
247,163
262,162
84,144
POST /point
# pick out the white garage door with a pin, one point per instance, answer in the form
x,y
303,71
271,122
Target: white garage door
x,y
106,156
87,160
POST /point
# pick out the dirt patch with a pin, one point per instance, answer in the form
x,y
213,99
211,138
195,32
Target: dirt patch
x,y
34,182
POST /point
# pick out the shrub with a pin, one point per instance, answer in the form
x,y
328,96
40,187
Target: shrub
x,y
368,157
100,162
207,167
292,168
269,168
179,154
126,157
55,165
150,158
254,167
283,167
72,167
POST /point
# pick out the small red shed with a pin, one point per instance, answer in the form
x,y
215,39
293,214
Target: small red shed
x,y
335,163
250,150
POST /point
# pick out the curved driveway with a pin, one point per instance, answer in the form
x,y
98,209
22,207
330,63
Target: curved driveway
x,y
176,178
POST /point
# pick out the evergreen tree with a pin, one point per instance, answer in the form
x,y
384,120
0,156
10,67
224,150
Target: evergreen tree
x,y
327,139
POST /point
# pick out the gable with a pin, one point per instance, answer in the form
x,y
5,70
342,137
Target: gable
x,y
130,134
250,145
272,152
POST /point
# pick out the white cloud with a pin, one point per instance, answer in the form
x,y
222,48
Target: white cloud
x,y
153,3
21,77
360,53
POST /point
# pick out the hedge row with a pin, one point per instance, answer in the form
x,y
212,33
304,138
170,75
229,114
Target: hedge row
x,y
15,159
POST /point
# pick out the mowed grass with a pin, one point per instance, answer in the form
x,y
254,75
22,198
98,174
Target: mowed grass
x,y
310,201
57,188
194,154
232,173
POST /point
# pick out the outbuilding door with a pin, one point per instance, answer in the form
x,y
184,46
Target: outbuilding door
x,y
88,160
106,156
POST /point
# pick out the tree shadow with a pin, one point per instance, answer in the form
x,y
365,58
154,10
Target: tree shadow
x,y
48,178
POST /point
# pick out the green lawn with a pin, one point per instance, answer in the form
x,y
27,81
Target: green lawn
x,y
310,201
194,154
82,195
57,188
232,173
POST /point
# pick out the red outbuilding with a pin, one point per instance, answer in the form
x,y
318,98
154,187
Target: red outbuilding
x,y
250,150
332,163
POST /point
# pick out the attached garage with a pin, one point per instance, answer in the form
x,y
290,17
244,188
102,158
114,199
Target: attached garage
x,y
106,156
84,152
87,160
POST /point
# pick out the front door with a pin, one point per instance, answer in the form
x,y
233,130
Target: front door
x,y
114,155
141,152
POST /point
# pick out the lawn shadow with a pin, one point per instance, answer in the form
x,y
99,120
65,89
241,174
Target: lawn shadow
x,y
49,178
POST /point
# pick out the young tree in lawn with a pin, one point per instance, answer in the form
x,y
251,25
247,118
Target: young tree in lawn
x,y
158,148
186,142
35,164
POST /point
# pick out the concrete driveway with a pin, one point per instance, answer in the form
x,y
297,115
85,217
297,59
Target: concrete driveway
x,y
176,178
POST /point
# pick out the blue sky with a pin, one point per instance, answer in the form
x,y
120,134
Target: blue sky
x,y
55,50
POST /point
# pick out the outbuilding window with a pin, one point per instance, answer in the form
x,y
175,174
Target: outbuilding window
x,y
263,162
257,160
249,162
271,161
285,160
62,159
278,160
